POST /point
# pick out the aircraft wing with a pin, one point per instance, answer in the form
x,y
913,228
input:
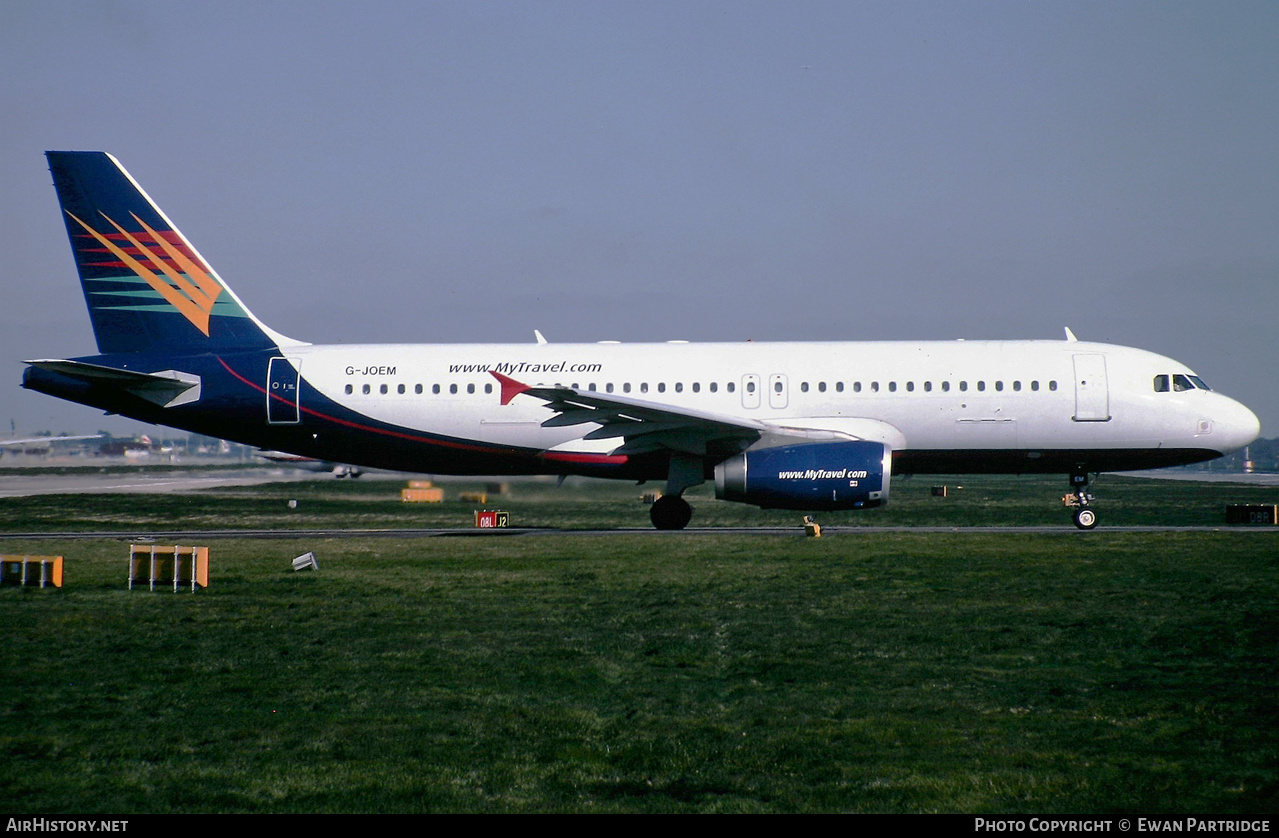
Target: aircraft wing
x,y
641,426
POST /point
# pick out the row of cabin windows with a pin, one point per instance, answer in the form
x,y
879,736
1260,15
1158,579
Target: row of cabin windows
x,y
401,389
730,387
927,386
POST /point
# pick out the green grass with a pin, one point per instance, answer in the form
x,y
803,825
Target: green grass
x,y
865,672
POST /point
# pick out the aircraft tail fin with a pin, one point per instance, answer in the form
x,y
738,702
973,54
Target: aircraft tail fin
x,y
146,287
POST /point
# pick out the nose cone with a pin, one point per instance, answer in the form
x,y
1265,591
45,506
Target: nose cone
x,y
1234,426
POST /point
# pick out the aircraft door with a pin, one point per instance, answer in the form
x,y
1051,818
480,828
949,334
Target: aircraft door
x,y
777,395
1092,392
282,391
750,391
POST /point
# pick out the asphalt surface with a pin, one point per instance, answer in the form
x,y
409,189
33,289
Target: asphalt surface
x,y
17,484
797,532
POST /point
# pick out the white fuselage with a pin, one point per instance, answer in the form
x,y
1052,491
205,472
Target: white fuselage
x,y
960,396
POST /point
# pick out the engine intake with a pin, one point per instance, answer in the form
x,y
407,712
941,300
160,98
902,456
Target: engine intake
x,y
808,476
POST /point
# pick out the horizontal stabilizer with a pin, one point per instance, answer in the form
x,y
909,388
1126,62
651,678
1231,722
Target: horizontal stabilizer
x,y
168,388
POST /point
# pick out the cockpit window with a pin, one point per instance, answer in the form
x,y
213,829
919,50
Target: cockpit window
x,y
1180,383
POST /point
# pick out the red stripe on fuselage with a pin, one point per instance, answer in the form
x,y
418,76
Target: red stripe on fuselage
x,y
444,443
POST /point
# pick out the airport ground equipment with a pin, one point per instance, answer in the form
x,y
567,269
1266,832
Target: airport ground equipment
x,y
1253,513
41,571
422,491
306,561
492,519
168,564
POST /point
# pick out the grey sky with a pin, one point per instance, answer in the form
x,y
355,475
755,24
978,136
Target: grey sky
x,y
470,171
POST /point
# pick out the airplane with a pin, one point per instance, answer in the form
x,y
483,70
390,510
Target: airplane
x,y
808,426
41,444
338,470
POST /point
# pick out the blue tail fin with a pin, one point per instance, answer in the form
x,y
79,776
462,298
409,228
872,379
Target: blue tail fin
x,y
146,287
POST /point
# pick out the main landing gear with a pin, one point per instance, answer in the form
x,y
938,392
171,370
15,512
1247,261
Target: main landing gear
x,y
670,512
1079,499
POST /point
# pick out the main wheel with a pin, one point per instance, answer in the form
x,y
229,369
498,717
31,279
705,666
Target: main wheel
x,y
670,512
1085,518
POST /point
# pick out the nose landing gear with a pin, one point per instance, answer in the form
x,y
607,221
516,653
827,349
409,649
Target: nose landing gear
x,y
1079,498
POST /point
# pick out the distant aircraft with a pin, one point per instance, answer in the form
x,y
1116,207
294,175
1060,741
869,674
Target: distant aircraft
x,y
128,448
42,442
339,470
806,426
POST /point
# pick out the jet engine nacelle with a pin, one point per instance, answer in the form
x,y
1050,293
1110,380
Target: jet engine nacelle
x,y
808,476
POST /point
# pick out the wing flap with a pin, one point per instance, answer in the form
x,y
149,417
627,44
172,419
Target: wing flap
x,y
644,427
640,426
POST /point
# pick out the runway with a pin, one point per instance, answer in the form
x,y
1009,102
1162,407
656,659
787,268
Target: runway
x,y
17,484
167,536
41,482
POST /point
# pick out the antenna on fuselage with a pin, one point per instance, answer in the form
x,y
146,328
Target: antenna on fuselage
x,y
1070,336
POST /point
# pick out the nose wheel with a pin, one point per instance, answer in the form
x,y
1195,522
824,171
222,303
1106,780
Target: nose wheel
x,y
1085,518
1079,499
